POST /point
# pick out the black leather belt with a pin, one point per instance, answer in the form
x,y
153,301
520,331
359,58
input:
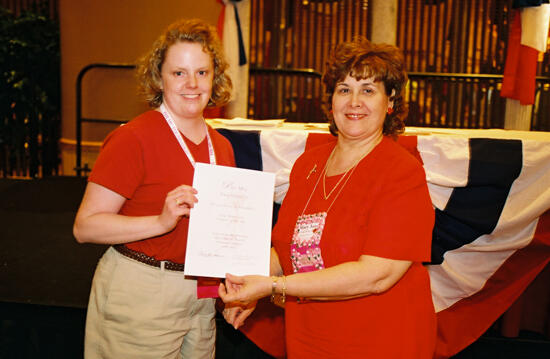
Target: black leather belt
x,y
140,257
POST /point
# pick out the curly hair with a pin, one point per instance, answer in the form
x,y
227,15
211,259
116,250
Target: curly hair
x,y
194,31
362,59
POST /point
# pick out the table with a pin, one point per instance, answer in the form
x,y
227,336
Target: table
x,y
490,189
491,193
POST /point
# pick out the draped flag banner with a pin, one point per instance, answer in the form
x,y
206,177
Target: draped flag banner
x,y
490,190
528,35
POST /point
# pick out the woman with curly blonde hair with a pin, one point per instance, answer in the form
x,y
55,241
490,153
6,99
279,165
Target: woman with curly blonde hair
x,y
138,200
195,31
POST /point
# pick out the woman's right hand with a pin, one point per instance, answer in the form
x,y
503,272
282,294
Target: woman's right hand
x,y
177,204
98,219
244,290
236,314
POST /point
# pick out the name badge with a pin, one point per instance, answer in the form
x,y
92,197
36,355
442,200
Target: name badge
x,y
305,251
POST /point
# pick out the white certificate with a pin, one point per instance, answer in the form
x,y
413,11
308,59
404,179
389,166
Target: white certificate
x,y
230,226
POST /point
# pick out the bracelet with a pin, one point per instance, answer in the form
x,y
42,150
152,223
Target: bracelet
x,y
283,297
273,287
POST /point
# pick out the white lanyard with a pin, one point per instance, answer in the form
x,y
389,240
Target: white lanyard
x,y
182,143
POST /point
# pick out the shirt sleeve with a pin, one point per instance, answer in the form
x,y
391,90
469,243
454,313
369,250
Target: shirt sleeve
x,y
401,222
119,166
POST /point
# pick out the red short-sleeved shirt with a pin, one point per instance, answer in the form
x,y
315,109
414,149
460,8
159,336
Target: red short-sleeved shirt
x,y
384,210
143,161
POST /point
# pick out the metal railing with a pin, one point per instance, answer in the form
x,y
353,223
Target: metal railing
x,y
292,94
435,100
79,119
467,101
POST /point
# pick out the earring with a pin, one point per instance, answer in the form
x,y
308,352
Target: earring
x,y
390,110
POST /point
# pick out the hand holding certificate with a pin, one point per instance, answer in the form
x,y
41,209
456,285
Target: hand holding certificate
x,y
230,226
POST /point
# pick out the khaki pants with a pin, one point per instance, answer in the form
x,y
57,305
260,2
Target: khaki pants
x,y
139,311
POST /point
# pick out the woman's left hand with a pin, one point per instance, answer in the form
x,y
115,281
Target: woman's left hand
x,y
244,289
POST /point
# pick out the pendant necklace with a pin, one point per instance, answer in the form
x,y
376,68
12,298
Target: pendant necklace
x,y
344,176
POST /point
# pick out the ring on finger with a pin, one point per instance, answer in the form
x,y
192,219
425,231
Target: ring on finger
x,y
178,202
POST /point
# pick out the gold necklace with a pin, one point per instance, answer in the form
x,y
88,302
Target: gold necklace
x,y
324,174
352,168
339,191
327,196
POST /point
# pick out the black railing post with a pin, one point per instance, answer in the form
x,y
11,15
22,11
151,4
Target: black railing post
x,y
79,119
